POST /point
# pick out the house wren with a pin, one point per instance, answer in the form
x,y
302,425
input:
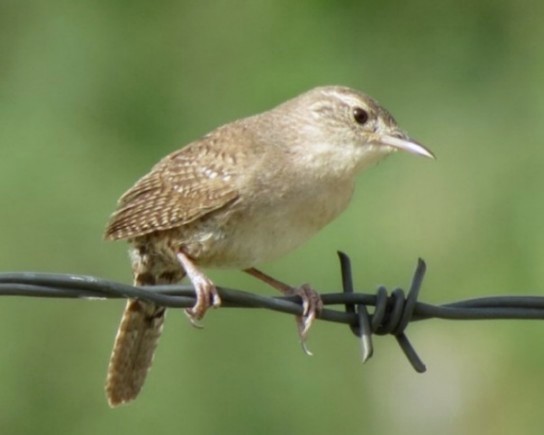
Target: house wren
x,y
248,192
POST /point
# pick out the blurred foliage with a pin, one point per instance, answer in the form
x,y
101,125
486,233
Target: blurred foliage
x,y
92,93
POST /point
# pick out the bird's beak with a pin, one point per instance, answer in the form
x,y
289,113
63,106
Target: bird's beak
x,y
404,143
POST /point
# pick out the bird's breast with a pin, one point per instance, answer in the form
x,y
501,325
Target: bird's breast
x,y
269,224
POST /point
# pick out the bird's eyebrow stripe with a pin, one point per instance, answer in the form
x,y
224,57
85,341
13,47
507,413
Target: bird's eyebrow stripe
x,y
345,98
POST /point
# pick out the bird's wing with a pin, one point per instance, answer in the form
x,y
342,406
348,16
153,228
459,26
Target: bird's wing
x,y
181,188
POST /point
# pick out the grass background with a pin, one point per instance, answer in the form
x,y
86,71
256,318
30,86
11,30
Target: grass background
x,y
93,93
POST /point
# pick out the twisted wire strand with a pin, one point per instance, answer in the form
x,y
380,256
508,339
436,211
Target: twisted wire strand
x,y
392,312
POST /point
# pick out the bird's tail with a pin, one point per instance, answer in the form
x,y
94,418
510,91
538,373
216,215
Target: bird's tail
x,y
134,347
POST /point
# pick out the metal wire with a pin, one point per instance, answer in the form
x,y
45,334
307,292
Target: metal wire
x,y
391,315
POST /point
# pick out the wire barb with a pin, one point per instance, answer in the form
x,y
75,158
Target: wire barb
x,y
391,315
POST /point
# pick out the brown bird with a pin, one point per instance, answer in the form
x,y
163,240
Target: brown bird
x,y
246,193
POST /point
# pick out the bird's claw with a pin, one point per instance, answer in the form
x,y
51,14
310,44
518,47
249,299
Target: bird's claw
x,y
206,297
311,307
311,303
205,291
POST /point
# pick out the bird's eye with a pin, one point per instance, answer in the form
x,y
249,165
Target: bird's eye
x,y
360,115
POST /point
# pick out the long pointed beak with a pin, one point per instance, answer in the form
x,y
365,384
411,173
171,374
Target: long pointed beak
x,y
406,144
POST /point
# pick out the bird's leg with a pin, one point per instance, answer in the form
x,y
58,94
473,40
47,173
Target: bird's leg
x,y
206,293
311,302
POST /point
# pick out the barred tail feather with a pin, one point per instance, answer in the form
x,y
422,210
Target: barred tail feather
x,y
133,350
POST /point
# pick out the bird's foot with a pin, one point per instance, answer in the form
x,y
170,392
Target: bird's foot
x,y
311,307
206,292
311,303
206,298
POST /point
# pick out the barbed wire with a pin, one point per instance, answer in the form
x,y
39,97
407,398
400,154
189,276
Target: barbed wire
x,y
391,315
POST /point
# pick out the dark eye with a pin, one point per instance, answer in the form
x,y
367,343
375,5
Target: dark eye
x,y
360,115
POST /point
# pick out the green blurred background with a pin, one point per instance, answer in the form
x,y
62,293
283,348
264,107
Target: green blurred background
x,y
93,93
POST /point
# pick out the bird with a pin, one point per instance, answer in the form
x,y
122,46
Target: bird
x,y
246,193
